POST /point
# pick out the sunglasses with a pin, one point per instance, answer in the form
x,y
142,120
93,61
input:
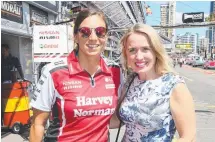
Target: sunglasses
x,y
86,32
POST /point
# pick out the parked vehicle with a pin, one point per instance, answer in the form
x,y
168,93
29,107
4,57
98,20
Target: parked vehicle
x,y
198,61
209,64
189,59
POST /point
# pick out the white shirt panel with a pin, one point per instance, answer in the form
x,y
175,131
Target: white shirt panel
x,y
44,94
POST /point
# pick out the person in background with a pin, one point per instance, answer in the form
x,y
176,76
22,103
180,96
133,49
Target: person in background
x,y
181,61
80,92
174,62
158,101
9,65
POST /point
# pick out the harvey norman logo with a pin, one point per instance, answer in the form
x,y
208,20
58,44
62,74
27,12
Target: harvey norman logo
x,y
94,101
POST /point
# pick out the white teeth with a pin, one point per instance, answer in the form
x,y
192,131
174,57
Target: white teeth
x,y
140,64
92,46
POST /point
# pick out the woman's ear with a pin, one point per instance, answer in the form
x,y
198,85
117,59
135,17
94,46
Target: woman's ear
x,y
75,38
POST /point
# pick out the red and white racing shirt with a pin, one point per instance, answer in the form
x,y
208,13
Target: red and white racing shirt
x,y
81,104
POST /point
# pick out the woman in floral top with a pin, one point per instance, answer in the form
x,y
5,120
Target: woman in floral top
x,y
157,102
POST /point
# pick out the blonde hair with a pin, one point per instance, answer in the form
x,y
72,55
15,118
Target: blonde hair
x,y
162,63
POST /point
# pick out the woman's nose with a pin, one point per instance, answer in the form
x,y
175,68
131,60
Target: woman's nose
x,y
93,35
139,55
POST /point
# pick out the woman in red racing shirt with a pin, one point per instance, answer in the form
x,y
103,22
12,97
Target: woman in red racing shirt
x,y
81,91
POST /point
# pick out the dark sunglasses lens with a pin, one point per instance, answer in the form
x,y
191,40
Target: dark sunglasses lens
x,y
85,32
100,31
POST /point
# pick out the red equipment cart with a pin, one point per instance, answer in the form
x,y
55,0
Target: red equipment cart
x,y
15,106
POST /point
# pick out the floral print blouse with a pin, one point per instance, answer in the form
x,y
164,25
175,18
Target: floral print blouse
x,y
145,110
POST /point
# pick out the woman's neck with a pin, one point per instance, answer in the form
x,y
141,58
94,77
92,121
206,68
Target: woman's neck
x,y
148,75
89,63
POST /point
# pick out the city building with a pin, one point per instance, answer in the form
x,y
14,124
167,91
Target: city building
x,y
17,18
212,29
168,17
197,43
164,17
207,33
203,44
187,38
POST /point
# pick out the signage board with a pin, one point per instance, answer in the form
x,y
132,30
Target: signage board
x,y
183,46
49,42
12,10
38,16
193,17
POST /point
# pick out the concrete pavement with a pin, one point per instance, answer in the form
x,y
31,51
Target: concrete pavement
x,y
201,84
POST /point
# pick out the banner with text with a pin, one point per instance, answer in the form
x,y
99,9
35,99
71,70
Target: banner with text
x,y
12,10
50,42
184,46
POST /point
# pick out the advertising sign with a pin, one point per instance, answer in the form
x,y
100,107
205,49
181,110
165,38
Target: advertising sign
x,y
193,17
12,10
183,46
38,16
49,42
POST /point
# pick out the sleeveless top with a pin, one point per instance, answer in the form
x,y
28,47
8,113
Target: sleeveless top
x,y
145,110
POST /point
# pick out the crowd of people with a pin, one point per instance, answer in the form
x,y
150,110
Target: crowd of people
x,y
85,95
180,61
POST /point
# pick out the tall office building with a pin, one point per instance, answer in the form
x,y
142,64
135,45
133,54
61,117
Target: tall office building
x,y
203,43
207,34
212,29
168,17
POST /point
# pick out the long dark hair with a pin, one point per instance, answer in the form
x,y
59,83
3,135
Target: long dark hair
x,y
83,15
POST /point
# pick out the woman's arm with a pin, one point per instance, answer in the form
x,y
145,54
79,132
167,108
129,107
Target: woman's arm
x,y
114,121
38,125
183,112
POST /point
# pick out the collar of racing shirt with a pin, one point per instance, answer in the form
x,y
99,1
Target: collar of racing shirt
x,y
75,68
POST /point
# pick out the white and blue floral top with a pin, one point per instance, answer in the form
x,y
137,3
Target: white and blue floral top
x,y
146,110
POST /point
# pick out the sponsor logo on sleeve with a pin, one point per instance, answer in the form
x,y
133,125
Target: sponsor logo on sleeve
x,y
34,97
43,75
41,82
37,90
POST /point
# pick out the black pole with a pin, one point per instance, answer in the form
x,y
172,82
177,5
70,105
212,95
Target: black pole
x,y
205,54
63,22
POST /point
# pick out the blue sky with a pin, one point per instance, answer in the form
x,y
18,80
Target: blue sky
x,y
181,7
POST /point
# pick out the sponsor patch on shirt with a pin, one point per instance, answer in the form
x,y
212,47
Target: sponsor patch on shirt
x,y
109,86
